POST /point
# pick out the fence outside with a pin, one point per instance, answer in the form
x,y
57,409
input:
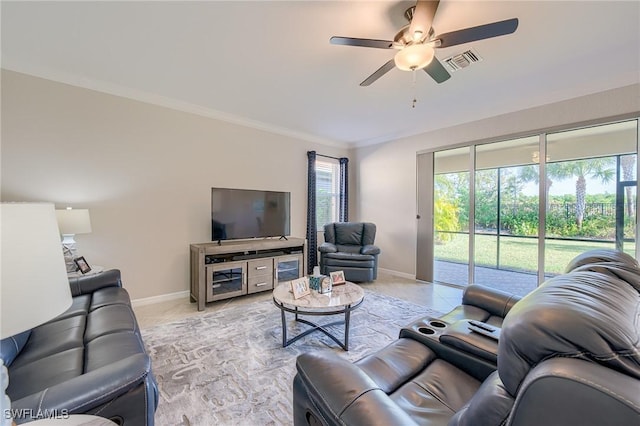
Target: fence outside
x,y
567,210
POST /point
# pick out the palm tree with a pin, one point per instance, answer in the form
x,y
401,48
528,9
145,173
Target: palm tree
x,y
531,173
598,168
627,162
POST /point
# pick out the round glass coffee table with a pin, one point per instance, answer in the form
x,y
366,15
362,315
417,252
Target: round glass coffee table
x,y
341,300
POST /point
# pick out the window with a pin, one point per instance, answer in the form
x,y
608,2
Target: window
x,y
513,213
327,192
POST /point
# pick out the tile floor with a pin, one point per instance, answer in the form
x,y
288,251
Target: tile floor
x,y
436,296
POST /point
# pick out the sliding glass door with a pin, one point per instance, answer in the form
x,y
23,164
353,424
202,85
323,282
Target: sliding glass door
x,y
589,173
626,201
451,216
506,215
510,214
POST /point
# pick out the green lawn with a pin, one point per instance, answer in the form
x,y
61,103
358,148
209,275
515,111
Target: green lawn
x,y
518,253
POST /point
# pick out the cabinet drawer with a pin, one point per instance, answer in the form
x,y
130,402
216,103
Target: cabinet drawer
x,y
259,283
260,267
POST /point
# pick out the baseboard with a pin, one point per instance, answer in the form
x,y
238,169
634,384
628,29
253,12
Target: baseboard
x,y
162,298
184,294
397,273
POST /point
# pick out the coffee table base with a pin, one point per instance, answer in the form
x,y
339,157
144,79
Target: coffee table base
x,y
317,327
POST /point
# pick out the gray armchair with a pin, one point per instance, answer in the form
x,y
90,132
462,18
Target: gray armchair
x,y
349,247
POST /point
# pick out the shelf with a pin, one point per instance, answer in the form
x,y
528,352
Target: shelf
x,y
227,289
227,280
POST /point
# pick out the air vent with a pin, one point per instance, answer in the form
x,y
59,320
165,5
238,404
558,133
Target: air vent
x,y
462,60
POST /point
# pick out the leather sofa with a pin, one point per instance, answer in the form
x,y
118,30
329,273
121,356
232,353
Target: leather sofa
x,y
89,360
348,247
456,341
568,353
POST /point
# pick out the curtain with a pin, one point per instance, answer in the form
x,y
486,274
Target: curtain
x,y
312,237
344,190
343,205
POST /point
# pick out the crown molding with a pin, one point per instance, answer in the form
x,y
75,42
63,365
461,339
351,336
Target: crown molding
x,y
166,102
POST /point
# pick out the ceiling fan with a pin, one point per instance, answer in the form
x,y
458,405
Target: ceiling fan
x,y
416,42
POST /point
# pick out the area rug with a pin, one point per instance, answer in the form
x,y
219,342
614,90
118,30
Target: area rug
x,y
229,367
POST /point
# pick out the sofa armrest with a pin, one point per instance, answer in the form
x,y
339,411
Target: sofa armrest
x,y
370,249
342,393
327,248
494,301
90,283
460,336
88,390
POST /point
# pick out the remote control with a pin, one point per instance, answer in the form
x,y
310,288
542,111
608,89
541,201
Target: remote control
x,y
484,329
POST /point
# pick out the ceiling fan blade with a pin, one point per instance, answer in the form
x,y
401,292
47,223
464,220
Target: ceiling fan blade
x,y
481,32
437,71
379,73
423,17
361,42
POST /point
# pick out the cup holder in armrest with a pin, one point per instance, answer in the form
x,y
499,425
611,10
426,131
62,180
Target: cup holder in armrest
x,y
454,340
429,327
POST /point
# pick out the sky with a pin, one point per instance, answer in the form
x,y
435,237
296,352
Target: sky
x,y
568,186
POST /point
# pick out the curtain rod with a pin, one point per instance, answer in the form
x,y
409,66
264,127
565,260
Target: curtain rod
x,y
326,156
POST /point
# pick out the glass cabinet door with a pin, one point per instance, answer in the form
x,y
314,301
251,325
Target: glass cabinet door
x,y
226,280
288,267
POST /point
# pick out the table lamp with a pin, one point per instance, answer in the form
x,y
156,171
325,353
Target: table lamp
x,y
72,222
34,287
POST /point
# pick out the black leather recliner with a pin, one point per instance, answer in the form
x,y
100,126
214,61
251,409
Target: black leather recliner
x,y
568,353
481,303
349,247
486,305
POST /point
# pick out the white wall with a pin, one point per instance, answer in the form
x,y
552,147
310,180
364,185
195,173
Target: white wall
x,y
386,173
143,171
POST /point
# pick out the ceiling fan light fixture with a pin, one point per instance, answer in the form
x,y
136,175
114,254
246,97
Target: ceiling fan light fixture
x,y
414,57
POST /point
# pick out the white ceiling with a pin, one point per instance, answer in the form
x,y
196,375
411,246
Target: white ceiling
x,y
270,65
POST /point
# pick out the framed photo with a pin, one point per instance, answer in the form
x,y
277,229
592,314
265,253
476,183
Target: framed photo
x,y
82,264
337,277
326,286
300,287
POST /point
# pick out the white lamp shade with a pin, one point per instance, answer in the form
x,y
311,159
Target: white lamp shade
x,y
34,287
73,221
414,57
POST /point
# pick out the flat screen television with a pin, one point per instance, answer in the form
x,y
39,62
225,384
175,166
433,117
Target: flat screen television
x,y
247,213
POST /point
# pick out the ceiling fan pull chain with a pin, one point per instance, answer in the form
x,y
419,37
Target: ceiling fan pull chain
x,y
413,104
